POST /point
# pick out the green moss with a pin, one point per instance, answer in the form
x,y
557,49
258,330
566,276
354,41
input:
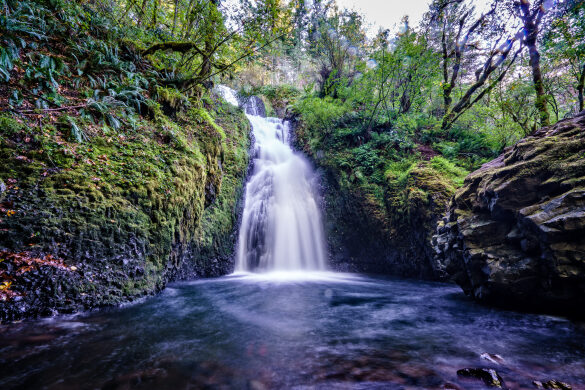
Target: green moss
x,y
172,97
214,236
9,125
120,204
201,116
448,169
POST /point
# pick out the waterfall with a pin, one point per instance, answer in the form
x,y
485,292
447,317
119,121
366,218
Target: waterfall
x,y
281,226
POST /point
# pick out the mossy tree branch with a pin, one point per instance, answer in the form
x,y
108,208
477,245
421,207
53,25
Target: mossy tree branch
x,y
181,47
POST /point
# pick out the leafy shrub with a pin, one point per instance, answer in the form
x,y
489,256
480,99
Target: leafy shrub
x,y
367,158
448,169
18,20
321,115
448,149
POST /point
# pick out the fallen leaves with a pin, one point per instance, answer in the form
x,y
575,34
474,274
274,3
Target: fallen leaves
x,y
5,208
14,265
5,285
27,259
23,159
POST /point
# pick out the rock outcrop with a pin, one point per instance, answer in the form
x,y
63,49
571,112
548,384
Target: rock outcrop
x,y
514,234
118,218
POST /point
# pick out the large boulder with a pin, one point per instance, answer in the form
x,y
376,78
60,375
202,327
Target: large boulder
x,y
514,234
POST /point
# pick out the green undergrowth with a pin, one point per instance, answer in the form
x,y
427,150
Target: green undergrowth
x,y
107,165
404,172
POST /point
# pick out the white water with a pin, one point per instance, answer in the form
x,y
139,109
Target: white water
x,y
281,224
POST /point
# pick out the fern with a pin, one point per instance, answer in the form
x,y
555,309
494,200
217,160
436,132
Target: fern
x,y
76,133
19,20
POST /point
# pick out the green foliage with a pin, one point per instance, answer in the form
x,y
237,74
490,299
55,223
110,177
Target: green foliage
x,y
172,97
320,115
279,93
22,26
564,46
10,126
334,42
448,169
367,159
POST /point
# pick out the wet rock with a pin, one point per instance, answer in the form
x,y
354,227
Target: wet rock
x,y
552,384
514,234
489,376
254,106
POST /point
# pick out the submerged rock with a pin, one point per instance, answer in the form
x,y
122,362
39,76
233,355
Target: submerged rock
x,y
489,376
514,234
552,384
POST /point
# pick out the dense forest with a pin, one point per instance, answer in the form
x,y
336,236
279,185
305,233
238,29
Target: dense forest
x,y
110,113
279,194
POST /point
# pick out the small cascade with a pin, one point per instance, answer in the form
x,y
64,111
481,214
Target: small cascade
x,y
281,224
228,94
254,106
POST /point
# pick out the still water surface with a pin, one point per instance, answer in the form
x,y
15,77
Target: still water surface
x,y
305,331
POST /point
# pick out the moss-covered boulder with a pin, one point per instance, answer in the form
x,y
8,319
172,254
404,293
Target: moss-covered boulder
x,y
515,232
94,223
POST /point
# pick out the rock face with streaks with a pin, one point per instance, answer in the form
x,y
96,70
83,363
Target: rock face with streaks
x,y
514,234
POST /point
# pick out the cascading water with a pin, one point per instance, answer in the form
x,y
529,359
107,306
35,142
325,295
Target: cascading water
x,y
281,224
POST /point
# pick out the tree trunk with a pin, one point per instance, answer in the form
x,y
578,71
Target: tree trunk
x,y
181,47
580,88
531,21
405,102
175,17
447,88
538,83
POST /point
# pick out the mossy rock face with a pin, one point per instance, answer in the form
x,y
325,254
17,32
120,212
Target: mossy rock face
x,y
515,232
375,227
125,214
